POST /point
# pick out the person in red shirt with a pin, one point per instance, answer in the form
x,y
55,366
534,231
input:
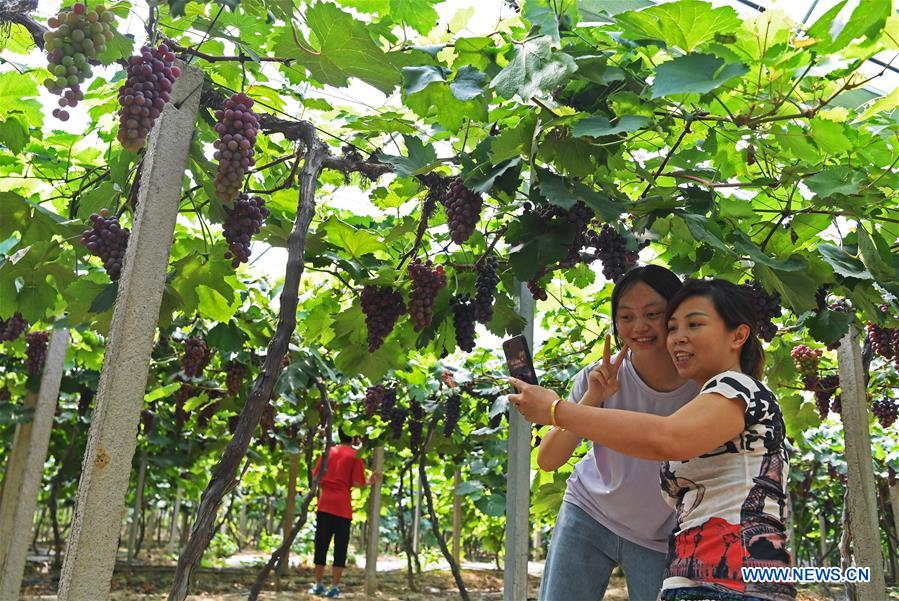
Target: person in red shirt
x,y
335,510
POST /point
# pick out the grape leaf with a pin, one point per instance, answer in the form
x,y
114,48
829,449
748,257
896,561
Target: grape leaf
x,y
686,24
536,67
694,73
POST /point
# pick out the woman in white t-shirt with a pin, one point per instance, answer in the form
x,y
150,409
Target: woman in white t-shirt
x,y
612,512
725,464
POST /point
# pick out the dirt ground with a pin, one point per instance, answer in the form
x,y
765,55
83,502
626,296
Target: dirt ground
x,y
151,582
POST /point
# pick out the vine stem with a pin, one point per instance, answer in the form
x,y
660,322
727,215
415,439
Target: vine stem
x,y
224,479
435,524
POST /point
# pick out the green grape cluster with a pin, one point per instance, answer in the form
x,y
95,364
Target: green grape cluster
x,y
75,38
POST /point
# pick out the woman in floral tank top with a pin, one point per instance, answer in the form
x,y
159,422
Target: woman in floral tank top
x,y
724,462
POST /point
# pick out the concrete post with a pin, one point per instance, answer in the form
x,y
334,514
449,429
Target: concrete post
x,y
138,506
457,516
22,480
374,525
862,503
100,504
518,479
287,523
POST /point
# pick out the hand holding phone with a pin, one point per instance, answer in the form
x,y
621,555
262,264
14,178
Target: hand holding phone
x,y
518,359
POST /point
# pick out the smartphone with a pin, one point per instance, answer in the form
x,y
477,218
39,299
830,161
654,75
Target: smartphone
x,y
518,358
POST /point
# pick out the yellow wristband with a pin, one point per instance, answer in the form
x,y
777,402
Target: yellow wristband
x,y
552,412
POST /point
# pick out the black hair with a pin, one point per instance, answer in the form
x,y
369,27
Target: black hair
x,y
660,279
735,307
343,436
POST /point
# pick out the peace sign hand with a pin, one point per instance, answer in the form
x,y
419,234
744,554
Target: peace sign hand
x,y
602,382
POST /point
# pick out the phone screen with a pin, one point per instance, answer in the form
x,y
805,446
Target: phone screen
x,y
518,358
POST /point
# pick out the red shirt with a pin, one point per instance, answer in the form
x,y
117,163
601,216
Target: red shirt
x,y
344,470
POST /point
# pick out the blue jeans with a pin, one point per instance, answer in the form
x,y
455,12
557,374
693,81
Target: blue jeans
x,y
581,556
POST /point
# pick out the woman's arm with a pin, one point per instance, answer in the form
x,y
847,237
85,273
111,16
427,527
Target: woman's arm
x,y
703,424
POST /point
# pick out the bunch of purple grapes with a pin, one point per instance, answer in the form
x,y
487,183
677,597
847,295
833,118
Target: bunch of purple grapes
x,y
485,285
579,216
824,389
611,247
12,328
464,322
382,306
766,307
108,240
373,397
885,410
426,283
884,341
36,351
388,404
242,222
237,128
463,209
151,77
195,358
235,372
452,415
538,290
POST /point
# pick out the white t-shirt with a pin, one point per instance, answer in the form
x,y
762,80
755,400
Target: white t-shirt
x,y
730,503
619,491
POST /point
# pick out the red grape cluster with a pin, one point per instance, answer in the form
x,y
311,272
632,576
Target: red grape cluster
x,y
151,76
486,289
373,397
611,247
74,39
12,328
885,410
884,341
452,415
463,209
195,358
382,306
538,291
243,221
235,372
806,359
464,322
108,240
837,404
36,351
426,283
766,307
237,127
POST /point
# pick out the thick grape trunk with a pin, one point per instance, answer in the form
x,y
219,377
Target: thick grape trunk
x,y
224,475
